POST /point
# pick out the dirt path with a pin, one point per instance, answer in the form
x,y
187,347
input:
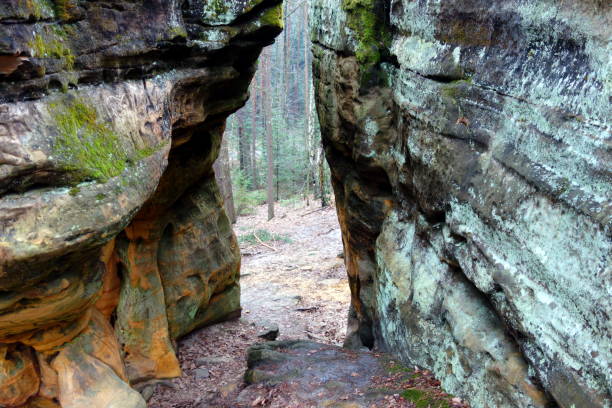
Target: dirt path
x,y
302,286
295,281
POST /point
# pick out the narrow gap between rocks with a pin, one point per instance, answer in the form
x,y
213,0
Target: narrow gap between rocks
x,y
294,291
294,282
285,350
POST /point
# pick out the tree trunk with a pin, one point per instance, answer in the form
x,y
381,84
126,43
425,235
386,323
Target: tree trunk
x,y
307,141
244,148
276,167
266,92
241,147
255,175
224,180
286,59
322,181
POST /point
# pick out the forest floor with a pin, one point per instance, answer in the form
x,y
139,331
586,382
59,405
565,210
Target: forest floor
x,y
293,278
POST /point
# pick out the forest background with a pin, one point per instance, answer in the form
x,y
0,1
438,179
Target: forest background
x,y
272,149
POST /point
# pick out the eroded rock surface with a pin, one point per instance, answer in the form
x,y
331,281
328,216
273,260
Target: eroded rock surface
x,y
469,143
113,240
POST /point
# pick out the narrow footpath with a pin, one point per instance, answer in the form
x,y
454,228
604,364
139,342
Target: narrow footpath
x,y
292,278
294,286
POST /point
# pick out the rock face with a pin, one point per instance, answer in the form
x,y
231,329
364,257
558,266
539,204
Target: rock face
x,y
113,241
469,142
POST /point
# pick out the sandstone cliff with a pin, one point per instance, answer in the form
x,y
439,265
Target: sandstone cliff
x,y
469,142
113,241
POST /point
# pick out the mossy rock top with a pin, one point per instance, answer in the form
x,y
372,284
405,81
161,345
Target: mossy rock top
x,y
221,12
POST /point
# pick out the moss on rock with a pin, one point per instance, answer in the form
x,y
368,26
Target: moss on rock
x,y
177,32
52,44
273,17
370,32
85,144
39,8
88,146
219,6
422,399
216,11
64,9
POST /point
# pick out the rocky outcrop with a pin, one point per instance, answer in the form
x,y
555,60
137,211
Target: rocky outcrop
x,y
113,241
469,143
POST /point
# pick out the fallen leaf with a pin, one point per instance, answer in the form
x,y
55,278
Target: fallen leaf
x,y
9,63
463,121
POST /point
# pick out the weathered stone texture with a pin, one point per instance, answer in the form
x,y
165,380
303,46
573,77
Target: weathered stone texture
x,y
113,240
469,143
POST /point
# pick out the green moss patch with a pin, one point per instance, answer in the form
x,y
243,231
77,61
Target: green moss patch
x,y
395,368
52,43
85,144
64,8
370,31
89,146
417,386
178,32
39,8
421,399
273,17
219,7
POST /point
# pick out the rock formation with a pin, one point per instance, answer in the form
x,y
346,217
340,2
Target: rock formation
x,y
113,241
469,142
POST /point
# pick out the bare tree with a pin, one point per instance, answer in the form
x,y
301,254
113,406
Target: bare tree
x,y
244,145
222,175
322,180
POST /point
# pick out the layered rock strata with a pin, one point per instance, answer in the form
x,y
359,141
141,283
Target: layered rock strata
x,y
469,143
113,240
